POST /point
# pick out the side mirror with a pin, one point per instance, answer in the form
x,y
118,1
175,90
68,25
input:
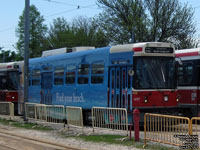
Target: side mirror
x,y
131,72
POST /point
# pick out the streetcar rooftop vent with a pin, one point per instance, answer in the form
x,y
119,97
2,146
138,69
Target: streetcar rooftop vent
x,y
81,48
54,52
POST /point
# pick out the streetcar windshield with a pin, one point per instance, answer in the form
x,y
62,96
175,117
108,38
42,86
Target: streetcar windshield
x,y
9,80
154,73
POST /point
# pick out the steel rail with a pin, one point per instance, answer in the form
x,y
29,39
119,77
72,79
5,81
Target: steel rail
x,y
41,141
7,147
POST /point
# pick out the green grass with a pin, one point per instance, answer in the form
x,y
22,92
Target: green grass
x,y
32,126
122,140
110,139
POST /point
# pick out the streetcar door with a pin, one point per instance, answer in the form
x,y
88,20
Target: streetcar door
x,y
46,86
120,88
129,86
124,88
112,85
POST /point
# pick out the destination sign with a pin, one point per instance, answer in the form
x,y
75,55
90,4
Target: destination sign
x,y
159,50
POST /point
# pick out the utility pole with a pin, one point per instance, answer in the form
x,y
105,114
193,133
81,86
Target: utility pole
x,y
26,53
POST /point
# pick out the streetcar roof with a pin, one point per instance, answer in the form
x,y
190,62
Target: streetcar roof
x,y
10,65
187,52
140,48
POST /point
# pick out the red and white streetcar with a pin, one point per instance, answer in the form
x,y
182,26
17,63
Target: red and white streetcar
x,y
9,83
189,81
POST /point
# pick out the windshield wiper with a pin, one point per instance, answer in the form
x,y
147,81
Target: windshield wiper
x,y
162,74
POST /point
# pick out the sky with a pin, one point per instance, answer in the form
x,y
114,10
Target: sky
x,y
10,10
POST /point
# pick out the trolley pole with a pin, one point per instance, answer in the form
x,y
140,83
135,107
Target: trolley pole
x,y
26,53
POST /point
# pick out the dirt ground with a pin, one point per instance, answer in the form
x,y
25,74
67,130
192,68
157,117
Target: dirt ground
x,y
59,136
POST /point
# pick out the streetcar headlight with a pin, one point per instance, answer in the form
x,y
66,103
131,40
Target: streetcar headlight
x,y
13,97
166,98
145,99
177,99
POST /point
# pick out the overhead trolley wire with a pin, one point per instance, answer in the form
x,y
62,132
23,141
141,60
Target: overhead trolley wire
x,y
53,1
7,29
60,12
78,7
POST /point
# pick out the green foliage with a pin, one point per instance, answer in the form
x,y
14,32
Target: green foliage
x,y
120,18
9,56
171,21
88,33
37,33
81,32
60,34
151,20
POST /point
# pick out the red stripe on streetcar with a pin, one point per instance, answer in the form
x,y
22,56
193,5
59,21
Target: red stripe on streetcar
x,y
187,54
9,66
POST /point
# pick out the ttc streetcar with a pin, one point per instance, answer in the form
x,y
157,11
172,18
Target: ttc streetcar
x,y
140,75
189,81
9,83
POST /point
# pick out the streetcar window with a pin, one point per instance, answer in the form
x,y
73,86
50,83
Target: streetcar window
x,y
83,69
124,79
58,81
35,82
36,73
83,80
70,78
97,68
185,74
154,72
83,72
70,74
35,77
113,79
46,68
97,73
129,81
118,79
59,72
97,79
59,75
9,80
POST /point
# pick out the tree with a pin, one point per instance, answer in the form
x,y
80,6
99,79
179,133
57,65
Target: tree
x,y
152,20
171,21
60,34
80,32
37,33
120,18
88,33
8,55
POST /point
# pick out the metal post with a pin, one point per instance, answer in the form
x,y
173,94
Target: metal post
x,y
26,53
136,115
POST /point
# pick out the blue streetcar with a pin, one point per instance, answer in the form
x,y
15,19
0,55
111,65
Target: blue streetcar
x,y
140,75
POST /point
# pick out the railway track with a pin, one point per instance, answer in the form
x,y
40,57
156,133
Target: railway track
x,y
4,147
10,141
